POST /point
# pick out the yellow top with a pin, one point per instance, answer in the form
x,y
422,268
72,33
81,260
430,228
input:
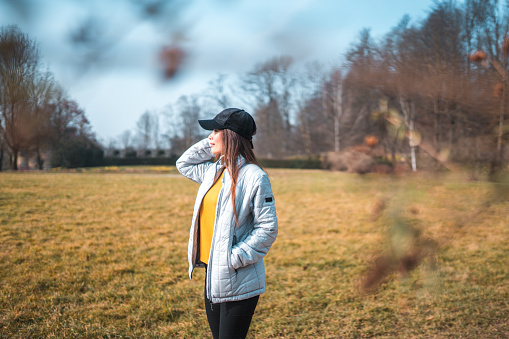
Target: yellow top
x,y
207,219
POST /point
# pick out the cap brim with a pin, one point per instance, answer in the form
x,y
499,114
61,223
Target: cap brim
x,y
210,124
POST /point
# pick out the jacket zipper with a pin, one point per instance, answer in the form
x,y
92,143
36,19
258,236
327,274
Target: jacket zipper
x,y
195,231
218,208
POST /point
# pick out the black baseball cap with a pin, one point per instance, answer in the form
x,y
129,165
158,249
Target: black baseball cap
x,y
234,119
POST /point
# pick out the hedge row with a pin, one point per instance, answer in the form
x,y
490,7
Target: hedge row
x,y
133,161
299,163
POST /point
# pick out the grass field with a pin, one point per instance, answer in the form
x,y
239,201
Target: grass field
x,y
105,255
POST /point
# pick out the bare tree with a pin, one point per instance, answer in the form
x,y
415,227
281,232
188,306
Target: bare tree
x,y
311,132
66,113
492,37
181,124
170,129
156,137
125,139
19,59
217,92
190,111
333,104
268,88
45,94
144,129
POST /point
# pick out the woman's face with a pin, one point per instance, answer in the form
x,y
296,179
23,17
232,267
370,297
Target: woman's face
x,y
216,141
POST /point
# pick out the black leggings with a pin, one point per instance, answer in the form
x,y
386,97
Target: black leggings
x,y
230,319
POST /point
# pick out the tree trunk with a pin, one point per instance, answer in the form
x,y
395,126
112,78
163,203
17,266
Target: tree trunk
x,y
14,163
393,151
411,137
40,160
409,122
305,132
337,144
451,129
337,99
436,137
501,124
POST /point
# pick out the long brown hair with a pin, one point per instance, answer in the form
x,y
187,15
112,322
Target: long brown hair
x,y
234,146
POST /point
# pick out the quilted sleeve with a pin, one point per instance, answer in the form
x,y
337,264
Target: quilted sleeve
x,y
265,228
194,162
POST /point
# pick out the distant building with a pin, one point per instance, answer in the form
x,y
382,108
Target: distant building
x,y
27,160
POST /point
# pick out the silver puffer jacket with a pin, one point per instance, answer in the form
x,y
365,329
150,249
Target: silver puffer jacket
x,y
236,270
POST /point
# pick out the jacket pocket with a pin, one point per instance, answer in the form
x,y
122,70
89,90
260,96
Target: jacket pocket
x,y
245,279
233,271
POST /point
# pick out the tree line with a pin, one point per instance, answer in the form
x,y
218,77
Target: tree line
x,y
437,86
36,115
443,81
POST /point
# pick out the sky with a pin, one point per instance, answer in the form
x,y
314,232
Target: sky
x,y
123,78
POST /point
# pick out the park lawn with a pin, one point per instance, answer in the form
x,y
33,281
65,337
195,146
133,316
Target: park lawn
x,y
105,255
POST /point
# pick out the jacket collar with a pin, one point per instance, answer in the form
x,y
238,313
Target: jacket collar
x,y
219,163
241,162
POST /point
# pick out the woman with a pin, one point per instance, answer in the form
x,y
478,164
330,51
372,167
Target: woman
x,y
229,242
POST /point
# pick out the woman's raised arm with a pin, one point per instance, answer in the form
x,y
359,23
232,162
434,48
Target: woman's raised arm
x,y
194,162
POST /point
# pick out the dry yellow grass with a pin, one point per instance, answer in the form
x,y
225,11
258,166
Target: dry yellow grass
x,y
104,255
